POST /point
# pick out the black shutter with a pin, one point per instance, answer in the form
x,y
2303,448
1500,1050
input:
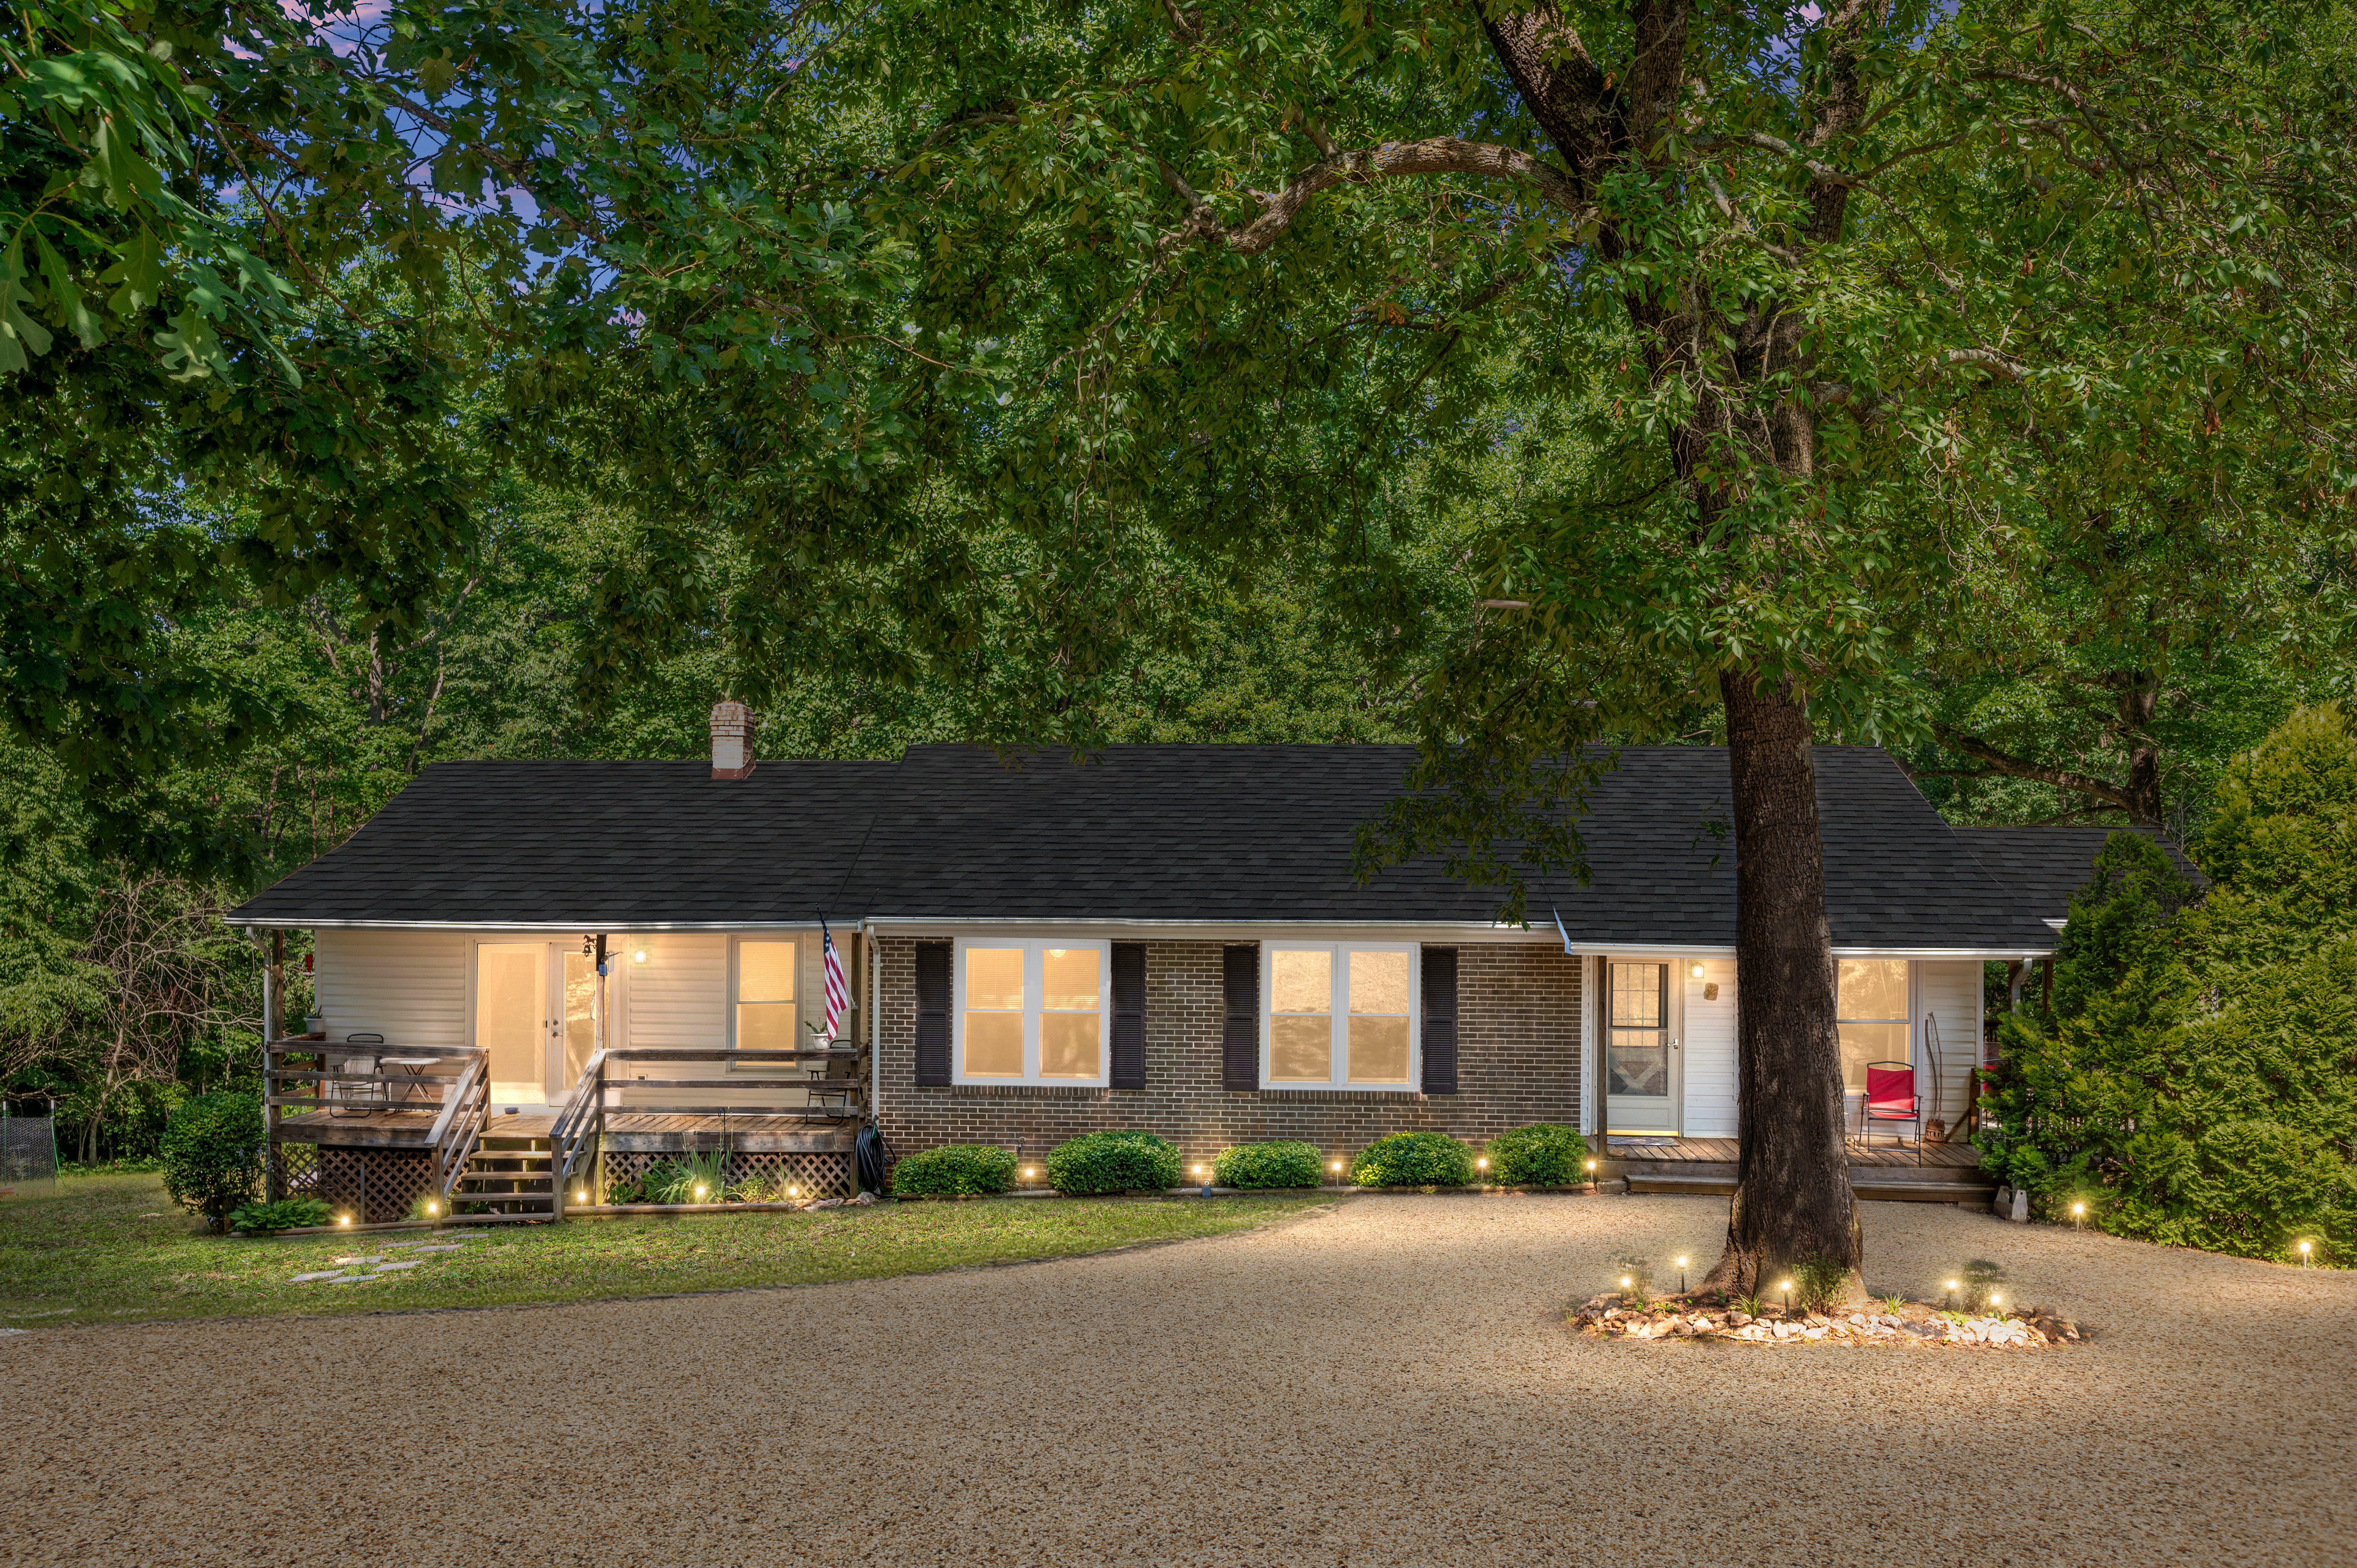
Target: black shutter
x,y
933,1013
1240,1037
1440,1020
1129,1016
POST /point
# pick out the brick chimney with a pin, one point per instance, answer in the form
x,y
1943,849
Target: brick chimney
x,y
732,741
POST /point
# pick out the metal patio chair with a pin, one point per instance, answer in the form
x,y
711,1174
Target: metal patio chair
x,y
1890,1097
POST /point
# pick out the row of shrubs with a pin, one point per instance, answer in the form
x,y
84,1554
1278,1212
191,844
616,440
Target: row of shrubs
x,y
1537,1155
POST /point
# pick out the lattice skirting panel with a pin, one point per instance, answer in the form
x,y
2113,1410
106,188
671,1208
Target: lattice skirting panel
x,y
811,1175
370,1185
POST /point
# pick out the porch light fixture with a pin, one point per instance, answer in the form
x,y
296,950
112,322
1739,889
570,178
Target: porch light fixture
x,y
1695,969
640,956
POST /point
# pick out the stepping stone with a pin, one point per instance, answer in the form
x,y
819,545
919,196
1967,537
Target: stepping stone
x,y
351,1279
307,1279
389,1267
14,1331
441,1248
351,1260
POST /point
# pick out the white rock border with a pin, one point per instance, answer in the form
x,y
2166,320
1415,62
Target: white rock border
x,y
1610,1317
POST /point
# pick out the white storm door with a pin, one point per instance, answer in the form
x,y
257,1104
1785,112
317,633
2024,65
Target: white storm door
x,y
1642,1080
512,996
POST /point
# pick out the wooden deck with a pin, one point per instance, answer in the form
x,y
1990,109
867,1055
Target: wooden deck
x,y
795,1131
1721,1151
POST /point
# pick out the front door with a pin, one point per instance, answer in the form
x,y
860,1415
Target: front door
x,y
1641,1053
511,1013
534,1014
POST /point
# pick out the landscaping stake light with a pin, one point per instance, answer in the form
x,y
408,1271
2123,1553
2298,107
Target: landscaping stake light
x,y
1945,1300
2305,1248
1591,1178
1786,1286
1682,1276
2078,1213
343,1220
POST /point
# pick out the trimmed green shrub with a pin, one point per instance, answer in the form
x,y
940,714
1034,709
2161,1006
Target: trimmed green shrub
x,y
213,1154
286,1214
1414,1159
1541,1154
1114,1161
953,1170
2193,1083
1269,1165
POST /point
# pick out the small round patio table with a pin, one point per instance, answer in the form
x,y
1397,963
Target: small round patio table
x,y
416,1067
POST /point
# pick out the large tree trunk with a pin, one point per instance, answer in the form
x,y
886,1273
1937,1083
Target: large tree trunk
x,y
1793,1198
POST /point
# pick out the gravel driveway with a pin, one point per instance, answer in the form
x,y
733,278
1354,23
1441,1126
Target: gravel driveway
x,y
1385,1382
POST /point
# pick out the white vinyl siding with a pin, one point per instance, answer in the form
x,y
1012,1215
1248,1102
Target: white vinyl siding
x,y
1950,990
680,995
1710,1086
409,986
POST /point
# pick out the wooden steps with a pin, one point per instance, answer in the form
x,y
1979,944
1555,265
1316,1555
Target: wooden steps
x,y
518,1179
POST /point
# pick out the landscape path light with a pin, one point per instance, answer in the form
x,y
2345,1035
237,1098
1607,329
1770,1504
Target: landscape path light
x,y
2305,1248
1591,1178
1786,1286
2078,1213
1682,1275
1947,1301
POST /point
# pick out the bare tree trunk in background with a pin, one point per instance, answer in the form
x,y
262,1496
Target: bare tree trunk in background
x,y
1792,1198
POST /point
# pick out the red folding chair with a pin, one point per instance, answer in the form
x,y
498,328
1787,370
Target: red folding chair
x,y
1890,1097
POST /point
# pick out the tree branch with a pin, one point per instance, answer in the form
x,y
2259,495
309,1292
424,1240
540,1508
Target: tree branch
x,y
2069,778
1436,155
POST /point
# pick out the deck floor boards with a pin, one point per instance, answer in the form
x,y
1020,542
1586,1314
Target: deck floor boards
x,y
1719,1151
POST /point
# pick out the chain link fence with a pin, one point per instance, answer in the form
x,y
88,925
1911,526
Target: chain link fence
x,y
28,1150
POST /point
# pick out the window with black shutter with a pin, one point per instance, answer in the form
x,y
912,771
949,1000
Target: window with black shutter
x,y
1440,1020
932,1014
1129,1016
1240,1031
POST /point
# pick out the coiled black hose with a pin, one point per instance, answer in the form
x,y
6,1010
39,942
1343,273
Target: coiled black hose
x,y
875,1157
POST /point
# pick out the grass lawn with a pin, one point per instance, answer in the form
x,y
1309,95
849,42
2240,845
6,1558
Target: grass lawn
x,y
112,1249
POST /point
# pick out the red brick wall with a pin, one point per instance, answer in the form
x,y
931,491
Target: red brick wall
x,y
1518,1062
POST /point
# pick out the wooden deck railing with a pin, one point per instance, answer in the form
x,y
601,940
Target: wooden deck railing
x,y
580,1127
461,1099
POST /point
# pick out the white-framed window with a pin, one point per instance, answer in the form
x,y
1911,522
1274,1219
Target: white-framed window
x,y
1871,1007
1340,1015
1031,1012
765,1008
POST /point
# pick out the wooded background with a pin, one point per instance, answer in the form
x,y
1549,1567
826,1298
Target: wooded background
x,y
393,385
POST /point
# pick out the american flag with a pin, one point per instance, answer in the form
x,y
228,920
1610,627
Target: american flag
x,y
838,991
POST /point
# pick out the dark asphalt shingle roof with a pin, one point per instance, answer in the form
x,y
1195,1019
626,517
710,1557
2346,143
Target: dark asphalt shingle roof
x,y
1235,835
600,846
2040,867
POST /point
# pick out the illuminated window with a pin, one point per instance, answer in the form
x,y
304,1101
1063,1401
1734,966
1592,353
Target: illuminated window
x,y
1340,1016
1031,1012
765,995
1872,1009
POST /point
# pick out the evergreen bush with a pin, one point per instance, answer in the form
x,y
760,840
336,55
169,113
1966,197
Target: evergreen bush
x,y
1414,1159
953,1170
1283,1164
213,1154
286,1214
1114,1161
1541,1154
2200,1069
